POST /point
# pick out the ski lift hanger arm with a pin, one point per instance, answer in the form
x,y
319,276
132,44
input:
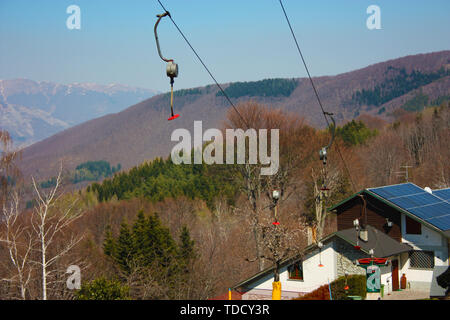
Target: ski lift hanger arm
x,y
204,65
160,16
171,68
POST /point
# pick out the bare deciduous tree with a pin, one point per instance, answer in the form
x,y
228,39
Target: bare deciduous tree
x,y
19,243
281,243
8,167
296,141
49,221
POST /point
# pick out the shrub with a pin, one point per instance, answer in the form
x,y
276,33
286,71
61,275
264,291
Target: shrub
x,y
356,287
103,289
321,293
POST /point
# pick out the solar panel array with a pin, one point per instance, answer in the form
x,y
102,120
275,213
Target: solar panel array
x,y
443,194
433,208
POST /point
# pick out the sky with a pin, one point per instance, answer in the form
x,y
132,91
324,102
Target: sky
x,y
244,40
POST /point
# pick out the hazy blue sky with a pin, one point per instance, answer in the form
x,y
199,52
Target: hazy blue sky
x,y
238,40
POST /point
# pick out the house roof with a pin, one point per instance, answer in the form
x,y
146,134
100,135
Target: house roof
x,y
431,209
265,272
382,245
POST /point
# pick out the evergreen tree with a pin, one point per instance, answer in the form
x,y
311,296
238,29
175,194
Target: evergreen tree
x,y
355,133
162,179
162,245
186,252
150,247
140,236
109,244
124,249
103,289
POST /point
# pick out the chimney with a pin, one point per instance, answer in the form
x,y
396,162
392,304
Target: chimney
x,y
364,235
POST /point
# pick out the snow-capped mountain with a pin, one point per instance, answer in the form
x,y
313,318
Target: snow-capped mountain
x,y
34,110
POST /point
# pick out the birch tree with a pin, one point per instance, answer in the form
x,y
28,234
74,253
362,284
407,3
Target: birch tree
x,y
50,221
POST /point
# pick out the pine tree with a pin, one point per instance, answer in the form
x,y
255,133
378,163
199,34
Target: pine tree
x,y
124,249
186,251
140,237
109,244
163,247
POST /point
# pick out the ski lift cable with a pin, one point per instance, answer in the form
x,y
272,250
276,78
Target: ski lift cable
x,y
204,65
333,132
315,91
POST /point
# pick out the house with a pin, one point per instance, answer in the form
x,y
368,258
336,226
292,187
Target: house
x,y
404,223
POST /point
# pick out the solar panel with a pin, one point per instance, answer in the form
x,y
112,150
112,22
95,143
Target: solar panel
x,y
443,222
442,193
433,208
397,190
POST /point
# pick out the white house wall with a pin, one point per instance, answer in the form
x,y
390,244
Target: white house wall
x,y
313,276
422,279
428,240
386,278
428,237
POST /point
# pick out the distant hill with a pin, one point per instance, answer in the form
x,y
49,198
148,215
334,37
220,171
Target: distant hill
x,y
142,131
32,111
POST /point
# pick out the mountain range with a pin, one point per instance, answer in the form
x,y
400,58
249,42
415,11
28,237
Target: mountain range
x,y
32,111
142,132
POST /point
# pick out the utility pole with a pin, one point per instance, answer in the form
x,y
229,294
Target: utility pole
x,y
324,192
276,284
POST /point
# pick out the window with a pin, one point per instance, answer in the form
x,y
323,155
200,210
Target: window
x,y
412,226
296,271
421,259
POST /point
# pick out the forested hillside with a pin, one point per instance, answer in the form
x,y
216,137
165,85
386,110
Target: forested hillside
x,y
141,132
398,83
162,179
165,231
263,88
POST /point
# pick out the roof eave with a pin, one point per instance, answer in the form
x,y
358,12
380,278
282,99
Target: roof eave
x,y
345,200
265,272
